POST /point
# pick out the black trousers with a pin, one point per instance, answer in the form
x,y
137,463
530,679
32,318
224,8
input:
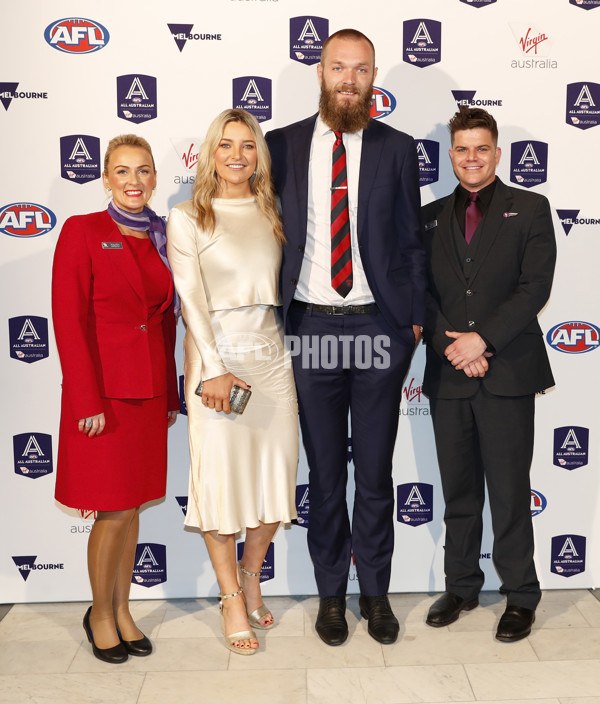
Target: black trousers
x,y
487,439
334,380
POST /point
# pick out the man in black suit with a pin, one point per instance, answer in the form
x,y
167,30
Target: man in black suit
x,y
491,255
352,281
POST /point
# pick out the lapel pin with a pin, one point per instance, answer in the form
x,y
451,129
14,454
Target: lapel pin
x,y
430,225
509,215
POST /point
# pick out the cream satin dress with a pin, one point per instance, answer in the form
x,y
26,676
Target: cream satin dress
x,y
243,467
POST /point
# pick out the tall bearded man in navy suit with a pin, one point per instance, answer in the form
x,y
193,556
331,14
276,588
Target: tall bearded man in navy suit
x,y
491,254
352,282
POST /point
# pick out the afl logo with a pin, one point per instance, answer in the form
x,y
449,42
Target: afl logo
x,y
574,337
538,502
383,103
26,220
76,35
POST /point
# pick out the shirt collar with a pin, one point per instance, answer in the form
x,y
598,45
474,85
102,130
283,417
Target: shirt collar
x,y
322,129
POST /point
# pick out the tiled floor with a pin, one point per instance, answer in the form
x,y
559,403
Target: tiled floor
x,y
45,659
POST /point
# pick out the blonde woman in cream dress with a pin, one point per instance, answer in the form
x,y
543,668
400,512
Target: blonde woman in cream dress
x,y
224,247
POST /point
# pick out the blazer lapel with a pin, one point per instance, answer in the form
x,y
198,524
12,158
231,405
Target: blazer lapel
x,y
492,224
124,261
301,157
372,147
443,233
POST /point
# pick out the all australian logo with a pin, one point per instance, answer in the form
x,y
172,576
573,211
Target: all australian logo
x,y
583,105
32,454
10,91
574,337
535,43
571,446
183,33
414,502
150,565
422,42
136,97
28,338
568,555
307,36
76,35
570,218
585,4
529,163
253,93
79,158
468,99
383,103
478,3
26,564
25,220
267,571
428,153
302,505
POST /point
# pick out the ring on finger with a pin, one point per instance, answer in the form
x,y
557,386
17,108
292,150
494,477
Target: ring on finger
x,y
89,423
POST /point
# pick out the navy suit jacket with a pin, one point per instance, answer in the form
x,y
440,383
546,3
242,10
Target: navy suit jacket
x,y
389,224
510,283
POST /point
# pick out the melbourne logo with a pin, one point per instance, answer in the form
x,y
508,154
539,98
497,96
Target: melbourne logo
x,y
32,454
76,35
568,218
26,565
428,153
467,98
28,336
568,555
26,220
307,36
253,93
583,105
8,91
183,502
79,158
150,565
302,504
422,45
571,446
585,4
383,103
574,337
528,163
183,32
136,97
415,503
267,571
478,3
538,503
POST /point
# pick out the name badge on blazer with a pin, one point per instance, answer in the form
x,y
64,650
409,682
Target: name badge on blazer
x,y
112,245
430,225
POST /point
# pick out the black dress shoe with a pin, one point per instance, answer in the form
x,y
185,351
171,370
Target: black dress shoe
x,y
140,647
113,655
383,625
446,609
515,624
331,622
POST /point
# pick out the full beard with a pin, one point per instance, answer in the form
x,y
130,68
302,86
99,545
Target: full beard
x,y
345,118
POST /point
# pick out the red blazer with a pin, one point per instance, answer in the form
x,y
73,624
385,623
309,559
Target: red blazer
x,y
109,345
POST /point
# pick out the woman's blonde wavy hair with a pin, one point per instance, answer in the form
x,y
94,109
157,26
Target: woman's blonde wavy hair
x,y
206,186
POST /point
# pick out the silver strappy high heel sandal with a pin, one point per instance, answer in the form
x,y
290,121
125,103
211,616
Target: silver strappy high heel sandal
x,y
235,637
262,611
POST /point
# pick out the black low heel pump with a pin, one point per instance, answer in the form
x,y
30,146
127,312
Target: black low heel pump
x,y
113,655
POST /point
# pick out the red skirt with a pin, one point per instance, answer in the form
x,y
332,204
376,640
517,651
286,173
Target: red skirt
x,y
121,468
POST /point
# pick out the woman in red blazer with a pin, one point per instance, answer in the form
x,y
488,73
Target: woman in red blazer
x,y
112,305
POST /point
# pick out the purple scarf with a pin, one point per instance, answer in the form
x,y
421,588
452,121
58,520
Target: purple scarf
x,y
147,221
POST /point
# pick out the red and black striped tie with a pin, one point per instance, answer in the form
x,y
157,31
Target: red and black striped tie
x,y
341,252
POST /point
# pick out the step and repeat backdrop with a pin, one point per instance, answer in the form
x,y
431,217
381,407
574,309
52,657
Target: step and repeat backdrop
x,y
70,82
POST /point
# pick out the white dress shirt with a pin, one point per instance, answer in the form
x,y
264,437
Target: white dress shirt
x,y
314,284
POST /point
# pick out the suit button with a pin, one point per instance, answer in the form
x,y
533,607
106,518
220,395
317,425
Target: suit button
x,y
469,292
301,248
143,328
468,260
294,282
471,323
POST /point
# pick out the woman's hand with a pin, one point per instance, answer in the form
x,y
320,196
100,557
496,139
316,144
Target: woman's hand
x,y
216,391
171,418
92,425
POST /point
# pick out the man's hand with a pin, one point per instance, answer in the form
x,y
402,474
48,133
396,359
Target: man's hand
x,y
467,347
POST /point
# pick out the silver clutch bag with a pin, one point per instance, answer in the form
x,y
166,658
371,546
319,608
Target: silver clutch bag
x,y
238,398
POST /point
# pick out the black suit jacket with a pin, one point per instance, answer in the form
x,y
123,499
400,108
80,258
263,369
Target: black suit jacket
x,y
389,228
510,282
